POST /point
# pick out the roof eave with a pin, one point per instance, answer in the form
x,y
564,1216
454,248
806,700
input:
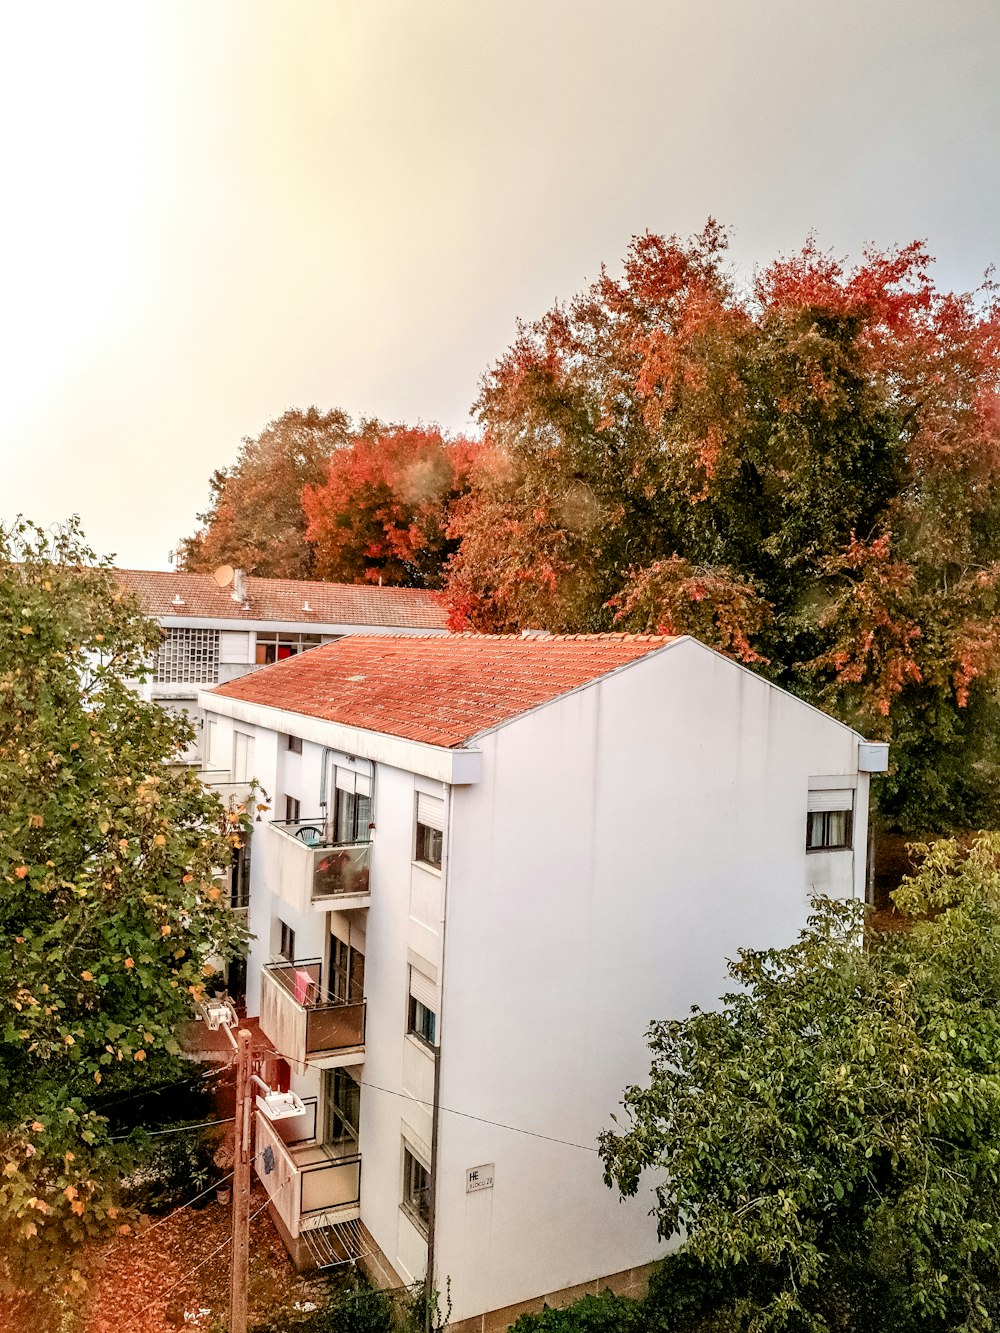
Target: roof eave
x,y
458,766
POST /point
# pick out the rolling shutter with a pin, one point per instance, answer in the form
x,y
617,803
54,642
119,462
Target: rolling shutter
x,y
430,811
842,799
424,990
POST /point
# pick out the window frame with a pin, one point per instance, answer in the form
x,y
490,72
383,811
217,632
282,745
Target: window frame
x,y
338,1127
824,816
293,809
293,744
286,941
416,1201
415,1028
427,833
272,646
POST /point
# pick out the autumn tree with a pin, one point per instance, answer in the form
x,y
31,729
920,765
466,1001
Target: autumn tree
x,y
826,1143
803,471
109,910
383,508
255,520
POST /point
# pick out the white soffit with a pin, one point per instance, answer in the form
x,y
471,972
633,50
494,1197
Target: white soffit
x,y
456,767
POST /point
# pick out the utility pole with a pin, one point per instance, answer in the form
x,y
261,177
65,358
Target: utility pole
x,y
241,1187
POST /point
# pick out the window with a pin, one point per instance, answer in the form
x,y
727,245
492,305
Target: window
x,y
829,821
276,647
293,744
292,807
188,655
423,1021
429,842
343,1107
352,815
242,756
347,972
430,823
287,948
416,1190
239,877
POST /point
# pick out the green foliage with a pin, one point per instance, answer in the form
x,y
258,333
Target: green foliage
x,y
109,907
829,1142
163,1171
356,1309
606,1313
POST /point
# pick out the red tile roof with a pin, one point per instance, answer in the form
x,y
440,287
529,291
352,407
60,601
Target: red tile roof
x,y
440,690
282,600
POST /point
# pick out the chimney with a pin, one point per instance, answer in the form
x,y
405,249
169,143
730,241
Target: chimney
x,y
239,593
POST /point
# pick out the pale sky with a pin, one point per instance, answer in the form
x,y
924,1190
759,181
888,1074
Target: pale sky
x,y
214,210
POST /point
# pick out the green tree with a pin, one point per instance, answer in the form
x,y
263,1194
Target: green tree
x,y
109,910
829,1141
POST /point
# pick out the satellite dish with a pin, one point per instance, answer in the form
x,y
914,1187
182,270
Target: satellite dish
x,y
224,575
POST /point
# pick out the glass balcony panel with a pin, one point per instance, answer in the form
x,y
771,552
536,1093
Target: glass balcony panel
x,y
335,1027
301,1019
328,1185
308,866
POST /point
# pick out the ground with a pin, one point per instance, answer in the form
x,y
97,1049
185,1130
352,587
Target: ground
x,y
162,1278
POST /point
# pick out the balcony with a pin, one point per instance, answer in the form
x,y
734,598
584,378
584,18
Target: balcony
x,y
310,1184
306,1024
313,873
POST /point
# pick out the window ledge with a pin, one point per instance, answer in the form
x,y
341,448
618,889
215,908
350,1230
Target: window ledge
x,y
422,1044
426,865
414,1219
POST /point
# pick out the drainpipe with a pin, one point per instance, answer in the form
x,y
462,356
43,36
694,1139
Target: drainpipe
x,y
436,1108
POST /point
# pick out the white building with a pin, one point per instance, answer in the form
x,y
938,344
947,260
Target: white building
x,y
217,627
568,838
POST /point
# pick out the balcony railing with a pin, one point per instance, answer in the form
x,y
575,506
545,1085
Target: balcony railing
x,y
306,1181
305,1023
307,869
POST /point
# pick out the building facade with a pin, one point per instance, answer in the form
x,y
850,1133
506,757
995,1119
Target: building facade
x,y
490,862
218,627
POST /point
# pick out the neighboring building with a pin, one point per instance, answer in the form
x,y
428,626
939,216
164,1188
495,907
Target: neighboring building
x,y
218,627
493,861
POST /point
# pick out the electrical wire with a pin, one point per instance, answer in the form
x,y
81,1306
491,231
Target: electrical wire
x,y
218,1249
173,1129
159,1088
181,1207
466,1115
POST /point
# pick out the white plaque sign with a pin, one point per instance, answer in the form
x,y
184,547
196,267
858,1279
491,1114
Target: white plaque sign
x,y
479,1178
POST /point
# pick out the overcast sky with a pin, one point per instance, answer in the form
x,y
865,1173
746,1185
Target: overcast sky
x,y
214,210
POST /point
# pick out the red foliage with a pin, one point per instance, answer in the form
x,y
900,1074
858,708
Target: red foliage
x,y
382,512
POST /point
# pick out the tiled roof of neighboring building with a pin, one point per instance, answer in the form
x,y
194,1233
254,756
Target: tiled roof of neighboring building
x,y
438,690
285,600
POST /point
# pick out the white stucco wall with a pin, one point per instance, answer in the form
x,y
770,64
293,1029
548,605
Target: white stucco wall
x,y
623,843
618,846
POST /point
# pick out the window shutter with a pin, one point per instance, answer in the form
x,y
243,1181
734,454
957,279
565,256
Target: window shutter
x,y
424,990
832,800
430,810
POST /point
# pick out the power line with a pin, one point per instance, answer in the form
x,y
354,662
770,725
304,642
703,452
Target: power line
x,y
483,1120
466,1115
159,1088
218,1249
173,1129
181,1207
